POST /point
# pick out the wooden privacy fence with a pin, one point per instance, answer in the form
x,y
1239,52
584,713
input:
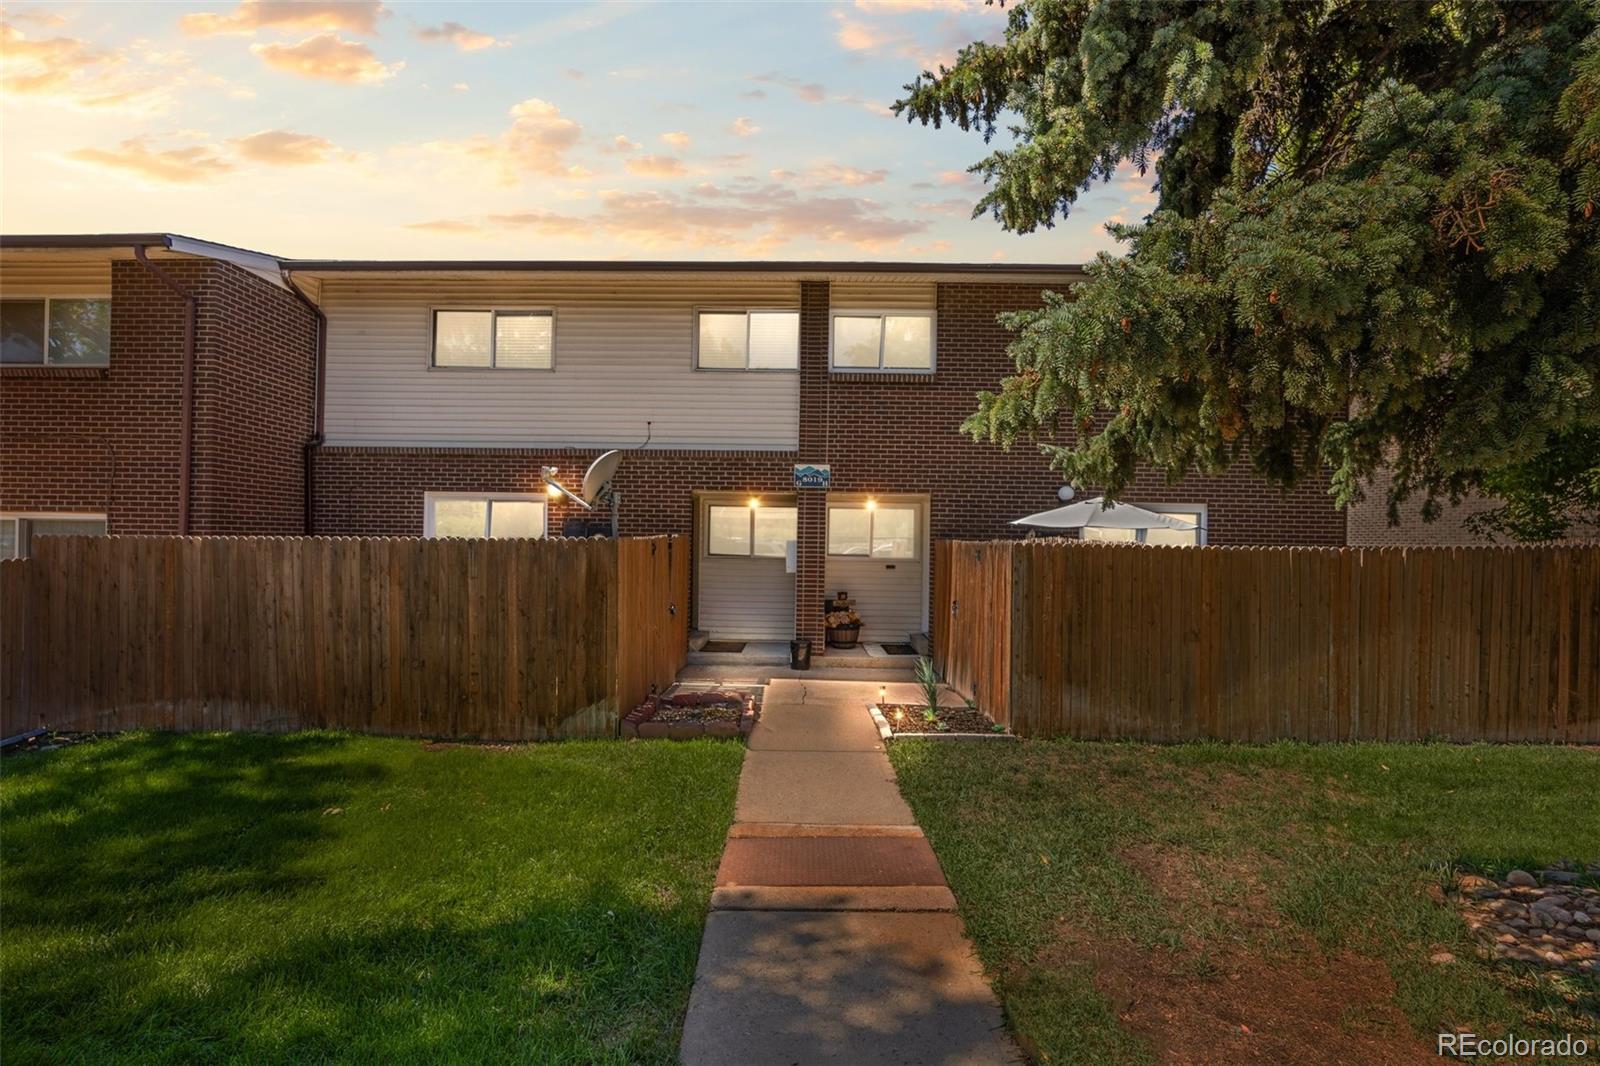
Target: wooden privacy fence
x,y
1061,638
501,639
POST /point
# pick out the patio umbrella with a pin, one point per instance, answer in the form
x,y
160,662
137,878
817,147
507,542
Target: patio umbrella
x,y
1095,512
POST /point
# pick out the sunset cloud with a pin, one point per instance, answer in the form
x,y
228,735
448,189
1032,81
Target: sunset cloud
x,y
77,72
285,148
621,143
463,38
179,166
831,174
327,57
677,138
656,166
537,142
354,16
743,127
753,219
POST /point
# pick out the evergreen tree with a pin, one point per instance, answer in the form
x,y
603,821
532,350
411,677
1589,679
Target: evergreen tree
x,y
1375,241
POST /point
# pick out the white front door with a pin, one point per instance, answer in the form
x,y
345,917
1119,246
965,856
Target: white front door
x,y
745,587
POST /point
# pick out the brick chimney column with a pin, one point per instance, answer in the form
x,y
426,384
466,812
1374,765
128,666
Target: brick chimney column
x,y
812,529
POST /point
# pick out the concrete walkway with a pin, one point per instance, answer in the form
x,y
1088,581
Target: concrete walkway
x,y
833,936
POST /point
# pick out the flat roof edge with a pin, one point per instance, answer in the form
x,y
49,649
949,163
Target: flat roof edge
x,y
645,266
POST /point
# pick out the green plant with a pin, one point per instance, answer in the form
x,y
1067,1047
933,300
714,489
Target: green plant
x,y
928,680
930,715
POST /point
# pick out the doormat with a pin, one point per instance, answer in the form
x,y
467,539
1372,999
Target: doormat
x,y
899,649
724,647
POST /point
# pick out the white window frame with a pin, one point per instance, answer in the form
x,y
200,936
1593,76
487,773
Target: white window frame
x,y
893,312
494,314
751,540
46,350
917,528
1197,509
694,340
23,519
430,498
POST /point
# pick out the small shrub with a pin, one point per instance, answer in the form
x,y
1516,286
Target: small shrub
x,y
928,681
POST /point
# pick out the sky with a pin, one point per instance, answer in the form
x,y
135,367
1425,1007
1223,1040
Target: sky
x,y
373,129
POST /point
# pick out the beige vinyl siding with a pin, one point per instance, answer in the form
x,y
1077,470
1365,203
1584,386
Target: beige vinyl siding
x,y
43,275
881,295
745,599
623,355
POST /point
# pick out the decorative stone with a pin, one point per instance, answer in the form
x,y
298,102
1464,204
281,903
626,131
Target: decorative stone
x,y
1521,879
1439,958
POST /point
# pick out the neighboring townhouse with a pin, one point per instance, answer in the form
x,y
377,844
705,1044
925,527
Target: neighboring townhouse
x,y
451,386
124,355
431,398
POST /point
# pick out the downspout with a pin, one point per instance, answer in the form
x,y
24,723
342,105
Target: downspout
x,y
186,413
319,388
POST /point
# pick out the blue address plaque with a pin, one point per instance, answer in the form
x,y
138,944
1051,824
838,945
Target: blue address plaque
x,y
812,475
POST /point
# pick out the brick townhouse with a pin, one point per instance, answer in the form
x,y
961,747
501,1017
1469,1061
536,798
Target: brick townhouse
x,y
405,398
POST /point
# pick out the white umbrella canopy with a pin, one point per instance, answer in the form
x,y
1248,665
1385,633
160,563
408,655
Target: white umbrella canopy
x,y
1101,515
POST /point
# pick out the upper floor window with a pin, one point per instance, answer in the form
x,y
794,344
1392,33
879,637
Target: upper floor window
x,y
1195,513
17,531
503,340
55,331
747,340
873,531
899,341
497,516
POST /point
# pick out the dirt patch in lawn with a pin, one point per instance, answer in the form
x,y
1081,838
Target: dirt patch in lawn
x,y
1201,1009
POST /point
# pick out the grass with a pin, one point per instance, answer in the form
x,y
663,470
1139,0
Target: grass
x,y
325,897
1202,864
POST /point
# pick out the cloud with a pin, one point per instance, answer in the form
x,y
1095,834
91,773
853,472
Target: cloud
x,y
957,177
916,5
753,94
173,166
656,166
755,218
536,142
446,225
676,138
355,16
620,144
831,174
574,73
457,34
879,38
285,148
460,87
130,78
955,207
743,127
327,57
809,91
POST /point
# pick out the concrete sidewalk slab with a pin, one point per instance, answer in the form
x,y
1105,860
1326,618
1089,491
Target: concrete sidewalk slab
x,y
841,987
829,726
820,787
829,860
832,898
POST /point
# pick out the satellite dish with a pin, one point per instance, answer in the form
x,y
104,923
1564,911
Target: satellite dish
x,y
1065,493
597,479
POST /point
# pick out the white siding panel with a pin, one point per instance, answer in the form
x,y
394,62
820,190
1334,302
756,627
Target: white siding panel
x,y
882,295
51,276
622,356
745,599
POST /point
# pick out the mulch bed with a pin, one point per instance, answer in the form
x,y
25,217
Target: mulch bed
x,y
908,718
685,715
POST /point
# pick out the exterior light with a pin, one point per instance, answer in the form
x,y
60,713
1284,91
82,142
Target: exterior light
x,y
883,690
872,503
755,501
899,716
552,491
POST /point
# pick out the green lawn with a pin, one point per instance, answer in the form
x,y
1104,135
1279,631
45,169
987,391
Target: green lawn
x,y
1131,901
325,897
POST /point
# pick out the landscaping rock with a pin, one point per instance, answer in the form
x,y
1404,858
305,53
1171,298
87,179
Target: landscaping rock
x,y
1548,927
1521,879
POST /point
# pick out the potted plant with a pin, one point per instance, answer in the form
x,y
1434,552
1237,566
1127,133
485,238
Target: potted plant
x,y
844,625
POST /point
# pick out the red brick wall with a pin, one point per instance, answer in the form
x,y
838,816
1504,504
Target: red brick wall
x,y
107,440
254,395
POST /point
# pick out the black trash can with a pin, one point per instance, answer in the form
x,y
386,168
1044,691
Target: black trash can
x,y
800,654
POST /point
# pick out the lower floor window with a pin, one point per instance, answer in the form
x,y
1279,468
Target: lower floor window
x,y
1195,513
499,515
17,531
